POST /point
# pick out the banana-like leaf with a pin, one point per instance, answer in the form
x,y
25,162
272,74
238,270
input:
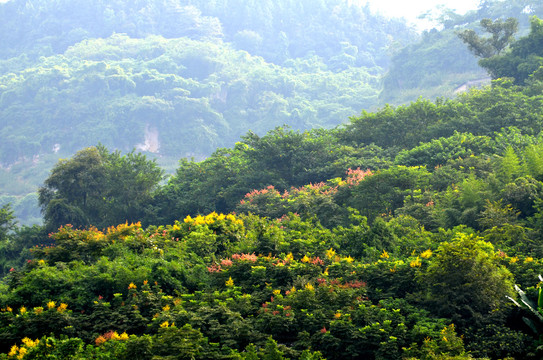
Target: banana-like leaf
x,y
527,303
530,324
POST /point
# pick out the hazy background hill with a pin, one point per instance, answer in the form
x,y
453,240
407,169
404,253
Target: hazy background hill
x,y
440,63
180,78
177,78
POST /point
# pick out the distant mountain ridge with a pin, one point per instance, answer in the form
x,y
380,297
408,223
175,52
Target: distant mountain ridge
x,y
195,74
179,78
348,53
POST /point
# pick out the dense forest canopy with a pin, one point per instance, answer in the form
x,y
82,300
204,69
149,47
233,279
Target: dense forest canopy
x,y
440,62
176,78
408,232
182,78
199,68
296,244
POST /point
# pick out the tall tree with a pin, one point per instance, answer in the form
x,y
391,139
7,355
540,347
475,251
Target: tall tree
x,y
524,60
509,166
501,36
96,187
7,222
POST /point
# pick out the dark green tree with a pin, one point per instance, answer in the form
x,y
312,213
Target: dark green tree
x,y
96,187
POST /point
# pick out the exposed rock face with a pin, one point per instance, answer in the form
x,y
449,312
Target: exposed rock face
x,y
151,143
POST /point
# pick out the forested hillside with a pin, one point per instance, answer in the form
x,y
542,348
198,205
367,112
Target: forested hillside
x,y
439,63
411,232
176,78
182,78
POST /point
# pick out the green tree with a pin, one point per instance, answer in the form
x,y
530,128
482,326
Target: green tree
x,y
96,187
497,214
69,193
509,166
179,343
271,351
7,222
533,160
522,194
524,59
130,182
501,35
465,282
383,192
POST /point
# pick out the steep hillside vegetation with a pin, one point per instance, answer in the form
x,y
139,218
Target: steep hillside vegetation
x,y
328,245
412,232
193,86
440,63
177,78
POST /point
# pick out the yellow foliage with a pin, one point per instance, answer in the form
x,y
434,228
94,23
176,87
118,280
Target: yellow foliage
x,y
212,218
38,310
29,343
234,220
415,263
330,253
13,351
426,254
22,353
199,220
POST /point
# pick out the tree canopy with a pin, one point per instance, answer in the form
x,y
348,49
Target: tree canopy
x,y
501,36
98,188
525,59
410,232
